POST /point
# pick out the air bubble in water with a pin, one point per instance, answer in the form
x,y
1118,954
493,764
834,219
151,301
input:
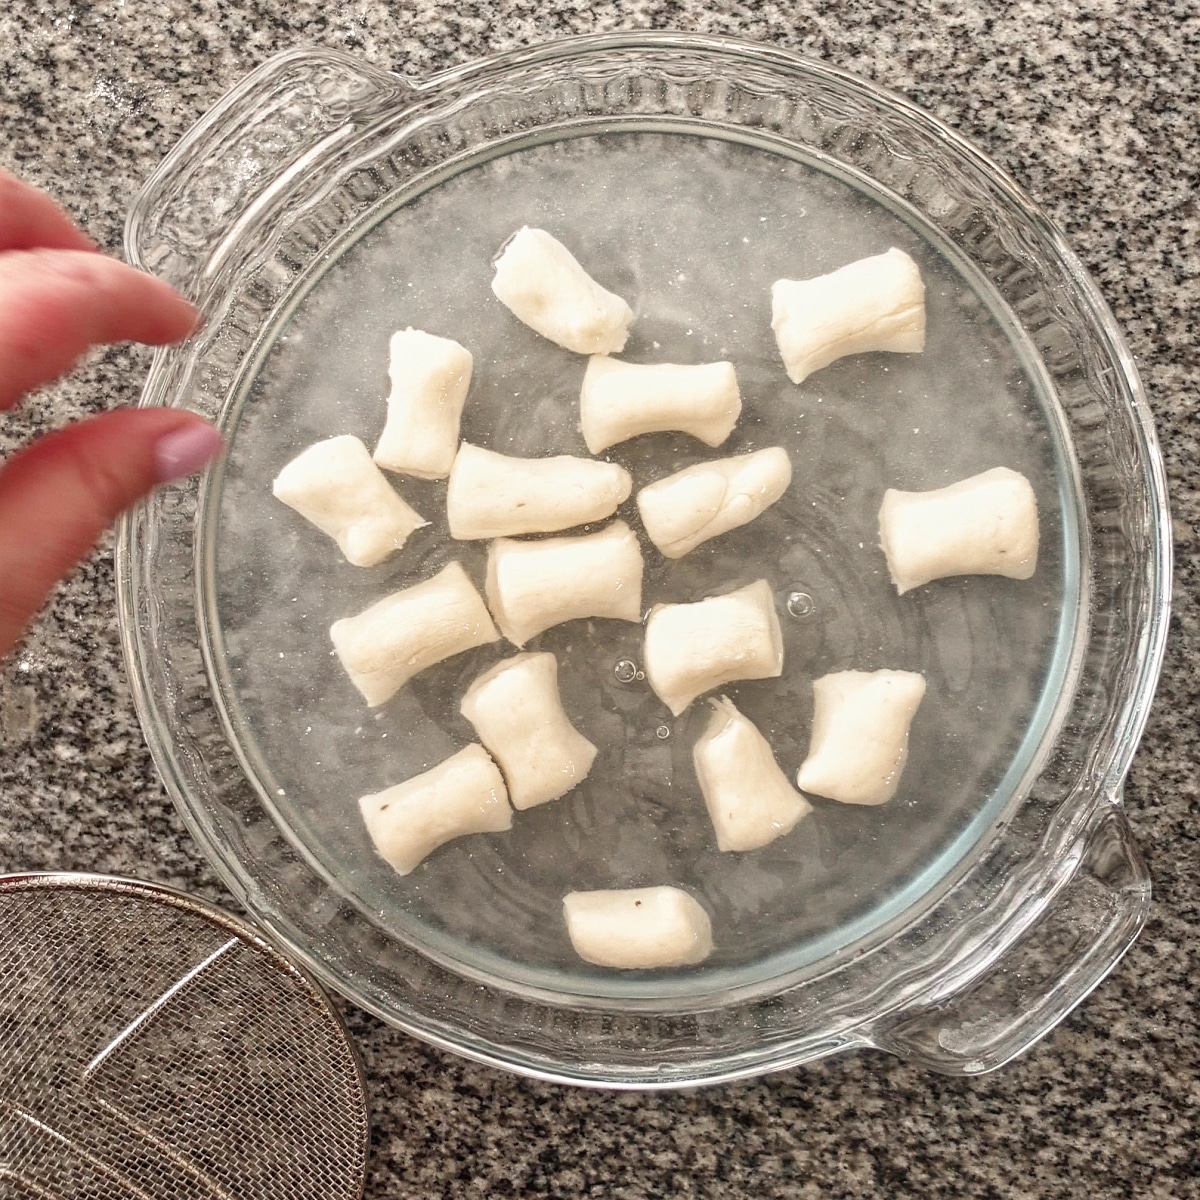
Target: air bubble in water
x,y
663,732
626,670
800,604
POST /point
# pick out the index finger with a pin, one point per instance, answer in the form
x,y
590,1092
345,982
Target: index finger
x,y
29,219
54,304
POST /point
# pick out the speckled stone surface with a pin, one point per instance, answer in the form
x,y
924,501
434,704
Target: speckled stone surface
x,y
1093,107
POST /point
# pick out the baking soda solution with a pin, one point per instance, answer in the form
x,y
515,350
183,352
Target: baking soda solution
x,y
692,231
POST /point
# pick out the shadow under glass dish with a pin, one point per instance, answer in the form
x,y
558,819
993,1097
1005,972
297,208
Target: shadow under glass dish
x,y
728,217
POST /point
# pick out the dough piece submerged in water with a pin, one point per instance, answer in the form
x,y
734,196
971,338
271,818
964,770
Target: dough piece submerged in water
x,y
430,379
749,798
633,928
518,715
465,794
541,283
335,485
534,585
876,303
984,525
385,645
693,648
494,495
711,498
859,741
620,400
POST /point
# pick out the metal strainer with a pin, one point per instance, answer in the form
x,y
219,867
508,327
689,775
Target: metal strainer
x,y
154,1048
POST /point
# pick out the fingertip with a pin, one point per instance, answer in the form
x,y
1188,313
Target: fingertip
x,y
176,324
184,451
176,317
55,303
58,494
141,307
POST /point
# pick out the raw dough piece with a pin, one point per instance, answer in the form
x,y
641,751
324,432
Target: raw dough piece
x,y
492,495
876,303
385,645
620,400
859,741
539,280
638,927
430,377
464,794
711,498
517,713
984,525
749,798
335,485
533,585
694,648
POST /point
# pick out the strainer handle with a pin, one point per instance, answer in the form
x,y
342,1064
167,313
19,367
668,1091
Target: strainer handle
x,y
1066,947
245,161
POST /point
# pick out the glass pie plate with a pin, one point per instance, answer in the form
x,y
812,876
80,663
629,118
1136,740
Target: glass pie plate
x,y
323,204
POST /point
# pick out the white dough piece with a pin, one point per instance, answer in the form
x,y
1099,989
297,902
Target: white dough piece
x,y
984,525
385,645
859,741
876,303
749,798
633,928
335,485
621,400
493,495
539,280
694,648
711,498
518,715
430,377
464,794
534,585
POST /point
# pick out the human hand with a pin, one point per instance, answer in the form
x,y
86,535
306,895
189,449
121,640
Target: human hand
x,y
58,296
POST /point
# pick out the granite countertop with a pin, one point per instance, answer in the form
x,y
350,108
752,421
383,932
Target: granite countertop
x,y
1093,108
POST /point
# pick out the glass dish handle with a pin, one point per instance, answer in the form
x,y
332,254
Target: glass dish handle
x,y
251,158
1074,938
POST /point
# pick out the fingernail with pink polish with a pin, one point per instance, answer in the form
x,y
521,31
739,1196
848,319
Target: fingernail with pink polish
x,y
182,452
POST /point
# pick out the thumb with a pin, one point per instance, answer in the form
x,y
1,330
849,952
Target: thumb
x,y
59,495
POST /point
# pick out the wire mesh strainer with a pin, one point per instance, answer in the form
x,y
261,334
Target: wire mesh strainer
x,y
153,1047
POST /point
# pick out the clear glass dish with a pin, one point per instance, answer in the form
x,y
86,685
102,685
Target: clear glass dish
x,y
322,205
